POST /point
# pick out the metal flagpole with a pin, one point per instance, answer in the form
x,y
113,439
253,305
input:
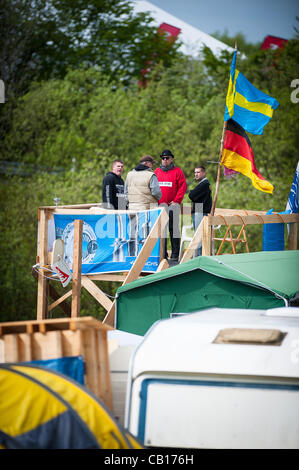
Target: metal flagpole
x,y
219,168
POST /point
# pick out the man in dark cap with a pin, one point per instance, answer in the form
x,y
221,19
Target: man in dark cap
x,y
142,189
173,185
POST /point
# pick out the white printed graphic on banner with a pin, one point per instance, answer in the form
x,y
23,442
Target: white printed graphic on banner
x,y
89,245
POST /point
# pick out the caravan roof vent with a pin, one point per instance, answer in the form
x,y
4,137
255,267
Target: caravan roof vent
x,y
249,336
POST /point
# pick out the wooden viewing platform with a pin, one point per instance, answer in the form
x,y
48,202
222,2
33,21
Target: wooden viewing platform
x,y
204,234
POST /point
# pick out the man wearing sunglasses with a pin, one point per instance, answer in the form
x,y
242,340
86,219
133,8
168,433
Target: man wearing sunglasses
x,y
173,185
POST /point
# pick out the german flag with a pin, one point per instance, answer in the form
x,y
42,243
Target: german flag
x,y
238,155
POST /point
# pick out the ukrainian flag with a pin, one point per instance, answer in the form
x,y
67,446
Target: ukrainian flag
x,y
249,107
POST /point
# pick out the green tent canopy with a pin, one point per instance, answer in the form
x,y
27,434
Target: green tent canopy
x,y
260,280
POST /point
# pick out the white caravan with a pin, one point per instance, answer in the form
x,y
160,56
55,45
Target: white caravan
x,y
219,378
121,346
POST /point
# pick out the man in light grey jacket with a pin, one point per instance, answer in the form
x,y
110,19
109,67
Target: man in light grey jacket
x,y
142,189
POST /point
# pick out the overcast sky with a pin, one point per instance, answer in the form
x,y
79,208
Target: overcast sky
x,y
256,19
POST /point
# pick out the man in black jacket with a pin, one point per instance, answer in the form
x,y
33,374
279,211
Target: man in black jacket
x,y
201,197
113,187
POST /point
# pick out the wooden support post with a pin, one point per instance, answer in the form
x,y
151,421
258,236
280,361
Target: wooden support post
x,y
90,354
292,238
77,262
162,241
207,236
58,300
42,288
104,381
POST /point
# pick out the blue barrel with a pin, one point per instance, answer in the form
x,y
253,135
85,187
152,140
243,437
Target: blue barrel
x,y
273,235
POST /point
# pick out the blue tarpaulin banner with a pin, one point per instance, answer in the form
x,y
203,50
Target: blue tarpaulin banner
x,y
293,200
72,366
111,242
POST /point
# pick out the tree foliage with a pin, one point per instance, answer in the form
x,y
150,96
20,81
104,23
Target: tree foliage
x,y
42,39
85,120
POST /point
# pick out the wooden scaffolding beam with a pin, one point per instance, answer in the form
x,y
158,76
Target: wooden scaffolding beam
x,y
231,217
84,280
42,289
77,264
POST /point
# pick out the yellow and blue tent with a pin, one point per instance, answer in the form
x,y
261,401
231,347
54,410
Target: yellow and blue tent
x,y
43,409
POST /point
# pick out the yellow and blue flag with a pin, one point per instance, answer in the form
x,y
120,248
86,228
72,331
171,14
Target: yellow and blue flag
x,y
249,107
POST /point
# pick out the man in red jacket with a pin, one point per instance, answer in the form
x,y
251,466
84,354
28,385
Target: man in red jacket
x,y
173,185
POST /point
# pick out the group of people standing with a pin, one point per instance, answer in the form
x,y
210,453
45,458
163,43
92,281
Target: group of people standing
x,y
146,188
